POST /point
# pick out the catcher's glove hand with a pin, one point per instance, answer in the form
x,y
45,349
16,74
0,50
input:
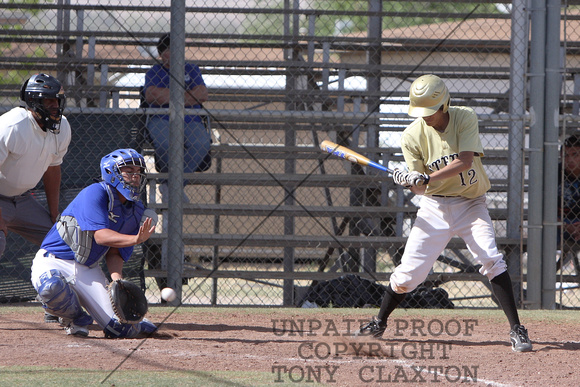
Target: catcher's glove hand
x,y
128,301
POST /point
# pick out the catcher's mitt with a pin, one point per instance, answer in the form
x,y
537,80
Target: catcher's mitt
x,y
128,300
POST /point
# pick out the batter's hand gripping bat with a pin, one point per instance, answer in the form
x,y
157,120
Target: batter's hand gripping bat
x,y
353,157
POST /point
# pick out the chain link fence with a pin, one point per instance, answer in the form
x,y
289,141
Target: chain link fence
x,y
274,221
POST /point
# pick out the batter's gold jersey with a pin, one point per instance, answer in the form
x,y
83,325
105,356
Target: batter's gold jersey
x,y
426,150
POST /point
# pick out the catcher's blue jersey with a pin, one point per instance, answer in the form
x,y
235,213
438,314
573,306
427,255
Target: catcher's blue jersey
x,y
72,236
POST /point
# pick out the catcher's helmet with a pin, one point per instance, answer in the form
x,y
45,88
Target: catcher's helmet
x,y
428,93
111,172
38,88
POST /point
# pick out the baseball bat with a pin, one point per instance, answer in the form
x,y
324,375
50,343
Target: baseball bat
x,y
350,155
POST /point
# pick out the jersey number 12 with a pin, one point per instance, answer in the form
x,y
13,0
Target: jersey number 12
x,y
471,177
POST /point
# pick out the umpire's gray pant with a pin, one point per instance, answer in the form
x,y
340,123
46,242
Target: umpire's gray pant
x,y
24,216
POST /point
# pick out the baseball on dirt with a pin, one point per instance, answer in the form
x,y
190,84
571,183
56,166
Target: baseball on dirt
x,y
168,294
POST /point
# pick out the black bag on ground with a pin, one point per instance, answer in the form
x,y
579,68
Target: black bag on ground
x,y
352,291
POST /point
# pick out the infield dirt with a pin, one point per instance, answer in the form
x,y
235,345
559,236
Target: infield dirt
x,y
313,346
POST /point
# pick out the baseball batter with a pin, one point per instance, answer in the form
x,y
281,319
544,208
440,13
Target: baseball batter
x,y
443,151
104,221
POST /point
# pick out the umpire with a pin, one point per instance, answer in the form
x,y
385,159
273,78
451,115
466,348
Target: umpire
x,y
33,141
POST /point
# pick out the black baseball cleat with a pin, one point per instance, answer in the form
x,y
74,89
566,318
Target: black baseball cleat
x,y
374,327
520,340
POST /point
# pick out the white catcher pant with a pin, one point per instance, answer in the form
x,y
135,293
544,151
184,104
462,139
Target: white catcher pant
x,y
90,284
438,220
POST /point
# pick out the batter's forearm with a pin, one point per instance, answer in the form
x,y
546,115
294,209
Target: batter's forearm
x,y
452,169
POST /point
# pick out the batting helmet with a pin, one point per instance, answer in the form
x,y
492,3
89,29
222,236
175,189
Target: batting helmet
x,y
111,172
428,93
38,88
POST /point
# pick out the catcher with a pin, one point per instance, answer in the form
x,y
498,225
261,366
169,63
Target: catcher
x,y
104,221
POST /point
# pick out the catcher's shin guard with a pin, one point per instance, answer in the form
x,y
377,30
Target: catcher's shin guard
x,y
58,297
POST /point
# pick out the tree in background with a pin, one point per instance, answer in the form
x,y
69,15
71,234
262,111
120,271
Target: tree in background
x,y
14,19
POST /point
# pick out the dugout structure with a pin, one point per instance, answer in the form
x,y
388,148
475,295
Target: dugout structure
x,y
273,215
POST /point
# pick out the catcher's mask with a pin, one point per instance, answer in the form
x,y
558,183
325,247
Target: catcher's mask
x,y
428,93
111,172
35,91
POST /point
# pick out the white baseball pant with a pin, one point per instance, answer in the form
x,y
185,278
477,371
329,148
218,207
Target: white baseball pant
x,y
438,220
90,284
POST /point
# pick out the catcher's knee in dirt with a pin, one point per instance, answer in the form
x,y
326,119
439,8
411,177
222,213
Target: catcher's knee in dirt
x,y
57,296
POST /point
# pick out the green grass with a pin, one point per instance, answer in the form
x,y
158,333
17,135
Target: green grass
x,y
43,376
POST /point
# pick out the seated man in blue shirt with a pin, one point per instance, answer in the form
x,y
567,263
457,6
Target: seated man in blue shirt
x,y
156,92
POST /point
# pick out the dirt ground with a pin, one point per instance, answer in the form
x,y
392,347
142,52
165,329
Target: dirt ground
x,y
302,346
